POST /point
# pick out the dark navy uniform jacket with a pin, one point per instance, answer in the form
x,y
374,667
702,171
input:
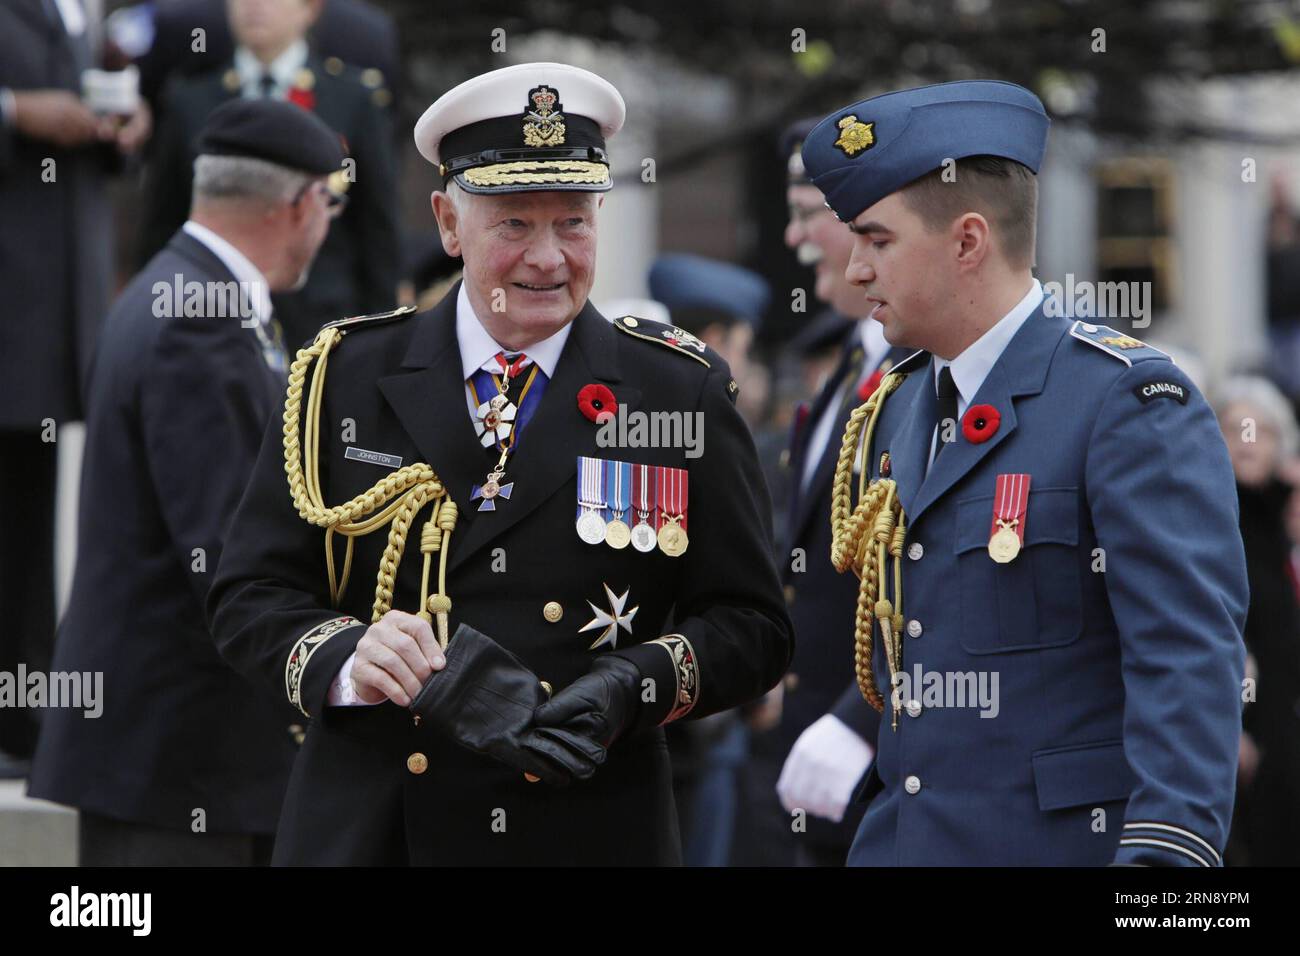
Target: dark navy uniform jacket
x,y
352,798
178,406
1119,706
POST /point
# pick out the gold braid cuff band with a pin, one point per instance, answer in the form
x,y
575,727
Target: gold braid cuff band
x,y
392,502
532,172
687,691
302,651
863,537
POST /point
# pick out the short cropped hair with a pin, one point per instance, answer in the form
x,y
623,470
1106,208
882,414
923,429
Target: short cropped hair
x,y
1003,191
245,177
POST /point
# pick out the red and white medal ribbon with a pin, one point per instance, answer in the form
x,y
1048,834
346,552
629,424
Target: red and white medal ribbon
x,y
1010,503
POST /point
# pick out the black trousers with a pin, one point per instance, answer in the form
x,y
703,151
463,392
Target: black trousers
x,y
28,472
109,842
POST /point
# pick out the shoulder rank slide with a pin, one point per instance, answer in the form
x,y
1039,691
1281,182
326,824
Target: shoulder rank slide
x,y
679,340
377,317
1115,344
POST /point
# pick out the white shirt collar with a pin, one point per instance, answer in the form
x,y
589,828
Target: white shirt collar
x,y
259,290
872,335
971,367
477,346
283,68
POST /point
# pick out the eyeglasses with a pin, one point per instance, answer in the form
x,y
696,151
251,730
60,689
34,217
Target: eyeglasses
x,y
334,202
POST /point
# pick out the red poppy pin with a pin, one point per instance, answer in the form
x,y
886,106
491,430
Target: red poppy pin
x,y
980,423
870,384
597,402
301,97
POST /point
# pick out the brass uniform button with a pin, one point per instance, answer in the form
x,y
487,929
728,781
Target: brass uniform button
x,y
630,322
230,80
372,78
381,97
417,763
304,79
791,681
333,66
789,594
297,733
552,611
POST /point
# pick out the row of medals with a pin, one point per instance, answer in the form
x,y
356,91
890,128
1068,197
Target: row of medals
x,y
671,539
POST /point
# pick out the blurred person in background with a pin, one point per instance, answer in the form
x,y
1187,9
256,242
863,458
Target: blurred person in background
x,y
720,304
358,267
55,271
814,758
180,400
1260,430
354,32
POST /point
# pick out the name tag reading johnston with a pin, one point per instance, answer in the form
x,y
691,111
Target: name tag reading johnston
x,y
373,457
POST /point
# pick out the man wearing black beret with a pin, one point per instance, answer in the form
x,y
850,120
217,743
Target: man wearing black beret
x,y
357,270
175,760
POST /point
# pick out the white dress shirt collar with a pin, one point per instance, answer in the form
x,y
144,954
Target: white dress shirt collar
x,y
971,367
478,347
872,335
247,274
283,69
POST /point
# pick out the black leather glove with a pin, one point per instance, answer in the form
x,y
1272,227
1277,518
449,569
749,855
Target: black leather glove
x,y
580,723
484,699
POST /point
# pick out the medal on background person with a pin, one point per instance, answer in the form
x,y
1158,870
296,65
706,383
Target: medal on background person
x,y
672,510
591,499
1010,505
618,495
643,499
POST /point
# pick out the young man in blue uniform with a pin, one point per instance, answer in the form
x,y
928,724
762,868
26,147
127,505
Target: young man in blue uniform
x,y
1053,583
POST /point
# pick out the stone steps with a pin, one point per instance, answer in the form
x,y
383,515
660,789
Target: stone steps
x,y
35,832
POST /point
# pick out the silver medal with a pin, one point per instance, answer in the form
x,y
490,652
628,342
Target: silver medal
x,y
591,527
643,537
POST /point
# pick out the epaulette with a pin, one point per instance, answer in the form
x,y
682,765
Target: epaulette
x,y
669,336
1115,344
376,318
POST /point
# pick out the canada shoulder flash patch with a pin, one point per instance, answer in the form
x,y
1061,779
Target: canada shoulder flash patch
x,y
1149,391
669,336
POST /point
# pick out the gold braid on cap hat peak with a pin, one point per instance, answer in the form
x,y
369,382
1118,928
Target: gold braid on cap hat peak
x,y
860,538
393,500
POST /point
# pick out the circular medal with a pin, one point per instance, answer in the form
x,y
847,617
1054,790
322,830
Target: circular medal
x,y
643,537
617,534
490,489
591,527
672,540
1004,546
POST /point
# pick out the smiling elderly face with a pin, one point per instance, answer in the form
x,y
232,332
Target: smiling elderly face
x,y
530,257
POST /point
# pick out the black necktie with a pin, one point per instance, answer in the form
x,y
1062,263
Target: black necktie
x,y
946,390
268,85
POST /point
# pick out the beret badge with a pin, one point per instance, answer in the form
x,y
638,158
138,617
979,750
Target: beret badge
x,y
543,121
855,136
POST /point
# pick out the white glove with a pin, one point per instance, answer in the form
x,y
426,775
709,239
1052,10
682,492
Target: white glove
x,y
824,766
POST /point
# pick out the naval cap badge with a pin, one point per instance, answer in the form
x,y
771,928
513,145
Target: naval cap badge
x,y
543,119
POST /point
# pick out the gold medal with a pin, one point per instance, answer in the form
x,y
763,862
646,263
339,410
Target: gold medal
x,y
1005,545
672,539
617,534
